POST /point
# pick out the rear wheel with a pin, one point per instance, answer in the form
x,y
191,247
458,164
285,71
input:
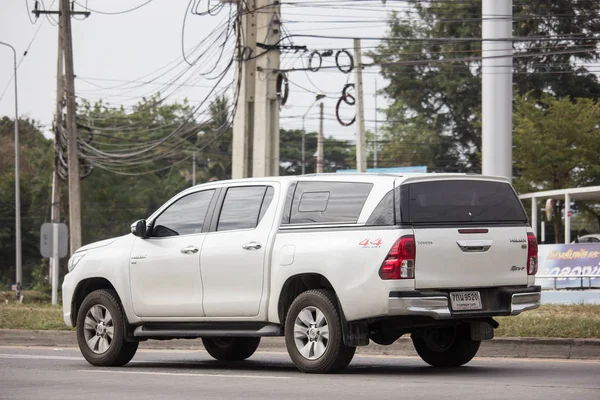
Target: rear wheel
x,y
231,348
313,333
446,347
101,330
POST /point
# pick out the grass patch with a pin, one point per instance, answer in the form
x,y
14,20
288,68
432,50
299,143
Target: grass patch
x,y
558,321
31,316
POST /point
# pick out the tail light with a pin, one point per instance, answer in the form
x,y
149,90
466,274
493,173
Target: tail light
x,y
400,261
532,254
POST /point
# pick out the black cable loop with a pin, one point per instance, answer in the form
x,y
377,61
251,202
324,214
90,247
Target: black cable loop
x,y
310,61
283,88
337,109
345,94
345,69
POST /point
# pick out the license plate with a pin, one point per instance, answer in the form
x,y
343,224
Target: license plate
x,y
465,301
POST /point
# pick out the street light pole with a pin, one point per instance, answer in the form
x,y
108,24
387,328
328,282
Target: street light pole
x,y
17,185
317,98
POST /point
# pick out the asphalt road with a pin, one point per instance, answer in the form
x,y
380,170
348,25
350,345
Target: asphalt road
x,y
46,373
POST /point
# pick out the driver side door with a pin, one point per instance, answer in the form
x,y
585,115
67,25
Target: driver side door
x,y
165,267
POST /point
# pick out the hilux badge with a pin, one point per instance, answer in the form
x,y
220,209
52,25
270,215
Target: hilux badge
x,y
517,240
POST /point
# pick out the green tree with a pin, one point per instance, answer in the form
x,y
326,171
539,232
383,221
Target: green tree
x,y
556,145
35,178
122,190
445,98
337,154
214,157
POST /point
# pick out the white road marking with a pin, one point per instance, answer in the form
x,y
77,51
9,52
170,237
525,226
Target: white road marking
x,y
267,353
40,357
101,371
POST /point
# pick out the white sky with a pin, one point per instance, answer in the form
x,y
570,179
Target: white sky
x,y
131,45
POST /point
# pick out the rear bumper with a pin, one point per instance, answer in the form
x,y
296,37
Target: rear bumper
x,y
436,304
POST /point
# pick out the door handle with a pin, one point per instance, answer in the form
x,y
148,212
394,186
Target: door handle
x,y
189,250
474,246
252,246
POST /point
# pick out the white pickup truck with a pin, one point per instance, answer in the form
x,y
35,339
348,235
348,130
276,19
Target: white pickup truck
x,y
330,262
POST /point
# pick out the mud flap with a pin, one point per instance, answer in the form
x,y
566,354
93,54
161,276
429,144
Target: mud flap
x,y
482,330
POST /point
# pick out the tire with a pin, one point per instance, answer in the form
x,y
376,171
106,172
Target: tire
x,y
446,347
313,310
94,338
231,348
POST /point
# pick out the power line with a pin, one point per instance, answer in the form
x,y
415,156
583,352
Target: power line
x,y
114,12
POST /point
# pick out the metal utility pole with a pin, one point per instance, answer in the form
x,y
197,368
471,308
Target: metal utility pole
x,y
243,122
496,143
320,157
375,149
73,150
361,143
265,157
18,259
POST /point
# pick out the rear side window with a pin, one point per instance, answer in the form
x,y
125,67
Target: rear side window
x,y
460,201
244,207
328,202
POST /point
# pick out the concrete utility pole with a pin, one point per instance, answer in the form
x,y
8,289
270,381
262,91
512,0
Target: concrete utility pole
x,y
56,189
73,150
376,131
496,101
320,156
256,124
317,98
243,122
265,157
18,253
66,43
194,168
361,143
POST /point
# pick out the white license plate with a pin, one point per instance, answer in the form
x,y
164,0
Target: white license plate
x,y
465,301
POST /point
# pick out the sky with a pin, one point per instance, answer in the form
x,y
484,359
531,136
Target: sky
x,y
110,50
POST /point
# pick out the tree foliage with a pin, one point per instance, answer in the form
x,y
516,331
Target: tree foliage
x,y
557,145
444,98
337,154
35,163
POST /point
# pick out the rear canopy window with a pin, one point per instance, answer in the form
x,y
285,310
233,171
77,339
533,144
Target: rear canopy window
x,y
460,201
328,202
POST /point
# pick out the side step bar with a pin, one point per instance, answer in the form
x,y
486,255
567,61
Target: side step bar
x,y
191,330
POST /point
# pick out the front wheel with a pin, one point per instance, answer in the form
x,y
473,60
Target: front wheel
x,y
231,348
446,347
101,330
313,333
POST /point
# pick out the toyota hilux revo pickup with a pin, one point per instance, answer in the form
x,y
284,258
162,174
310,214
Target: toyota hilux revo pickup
x,y
330,262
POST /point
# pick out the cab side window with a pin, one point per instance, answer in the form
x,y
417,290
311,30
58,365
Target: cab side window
x,y
184,217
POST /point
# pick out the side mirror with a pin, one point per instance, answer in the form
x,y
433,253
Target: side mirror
x,y
138,228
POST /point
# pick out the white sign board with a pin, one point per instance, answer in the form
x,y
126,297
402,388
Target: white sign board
x,y
47,239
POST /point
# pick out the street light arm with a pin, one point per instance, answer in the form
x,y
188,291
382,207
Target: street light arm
x,y
310,108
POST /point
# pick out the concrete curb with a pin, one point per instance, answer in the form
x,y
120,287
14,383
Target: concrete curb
x,y
582,349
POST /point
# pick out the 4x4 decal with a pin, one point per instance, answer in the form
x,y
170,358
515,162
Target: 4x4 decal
x,y
371,244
